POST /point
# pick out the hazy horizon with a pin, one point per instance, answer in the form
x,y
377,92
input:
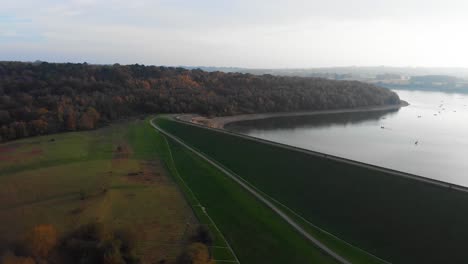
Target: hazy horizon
x,y
246,68
256,34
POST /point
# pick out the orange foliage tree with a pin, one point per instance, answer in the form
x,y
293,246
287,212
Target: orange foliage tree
x,y
10,258
42,111
41,240
196,253
39,126
89,119
70,119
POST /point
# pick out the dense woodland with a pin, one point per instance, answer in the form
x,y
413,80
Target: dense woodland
x,y
41,98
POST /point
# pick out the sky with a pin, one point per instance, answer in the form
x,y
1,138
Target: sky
x,y
237,33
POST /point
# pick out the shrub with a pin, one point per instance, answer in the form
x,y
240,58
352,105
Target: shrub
x,y
93,231
111,252
83,244
92,243
128,239
203,235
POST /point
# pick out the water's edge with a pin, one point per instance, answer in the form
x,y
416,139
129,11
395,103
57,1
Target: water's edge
x,y
221,122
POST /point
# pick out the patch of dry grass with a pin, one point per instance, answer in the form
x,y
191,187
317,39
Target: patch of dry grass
x,y
80,177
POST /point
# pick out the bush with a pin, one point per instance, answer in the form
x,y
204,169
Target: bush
x,y
93,231
203,235
128,240
111,252
92,243
83,244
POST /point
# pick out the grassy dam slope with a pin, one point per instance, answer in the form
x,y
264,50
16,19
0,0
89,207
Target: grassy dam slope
x,y
255,233
399,219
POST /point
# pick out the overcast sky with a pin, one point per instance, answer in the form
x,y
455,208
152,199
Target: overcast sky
x,y
243,33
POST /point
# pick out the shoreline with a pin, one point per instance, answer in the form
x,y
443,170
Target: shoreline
x,y
221,122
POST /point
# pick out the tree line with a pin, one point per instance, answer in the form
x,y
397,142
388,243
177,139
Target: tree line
x,y
93,243
42,98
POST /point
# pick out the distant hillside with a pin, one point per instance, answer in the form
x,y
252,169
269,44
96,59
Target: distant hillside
x,y
442,83
41,98
351,72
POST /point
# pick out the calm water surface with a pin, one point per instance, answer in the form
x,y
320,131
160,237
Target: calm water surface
x,y
427,138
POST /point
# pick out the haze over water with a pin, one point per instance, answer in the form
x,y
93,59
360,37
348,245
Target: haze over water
x,y
428,138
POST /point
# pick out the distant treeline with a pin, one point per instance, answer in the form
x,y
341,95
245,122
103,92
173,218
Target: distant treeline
x,y
42,98
443,83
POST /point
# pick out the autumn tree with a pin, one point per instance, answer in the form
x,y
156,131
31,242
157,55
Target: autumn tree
x,y
195,253
38,127
4,117
70,119
89,119
41,240
10,258
42,111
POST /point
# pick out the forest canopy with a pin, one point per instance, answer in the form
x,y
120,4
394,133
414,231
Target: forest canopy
x,y
42,98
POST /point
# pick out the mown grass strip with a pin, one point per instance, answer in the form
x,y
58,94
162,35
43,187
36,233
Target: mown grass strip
x,y
221,249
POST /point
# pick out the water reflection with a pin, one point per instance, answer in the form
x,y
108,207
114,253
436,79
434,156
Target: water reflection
x,y
311,121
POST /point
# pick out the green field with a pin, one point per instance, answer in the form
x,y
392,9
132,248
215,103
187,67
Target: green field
x,y
256,233
220,249
42,180
398,219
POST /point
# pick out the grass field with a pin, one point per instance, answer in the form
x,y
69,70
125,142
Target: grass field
x,y
397,219
256,234
42,180
221,250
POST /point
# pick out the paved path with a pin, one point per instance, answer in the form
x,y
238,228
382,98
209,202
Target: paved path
x,y
284,216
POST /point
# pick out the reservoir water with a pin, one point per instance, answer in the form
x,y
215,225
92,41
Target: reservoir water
x,y
427,138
